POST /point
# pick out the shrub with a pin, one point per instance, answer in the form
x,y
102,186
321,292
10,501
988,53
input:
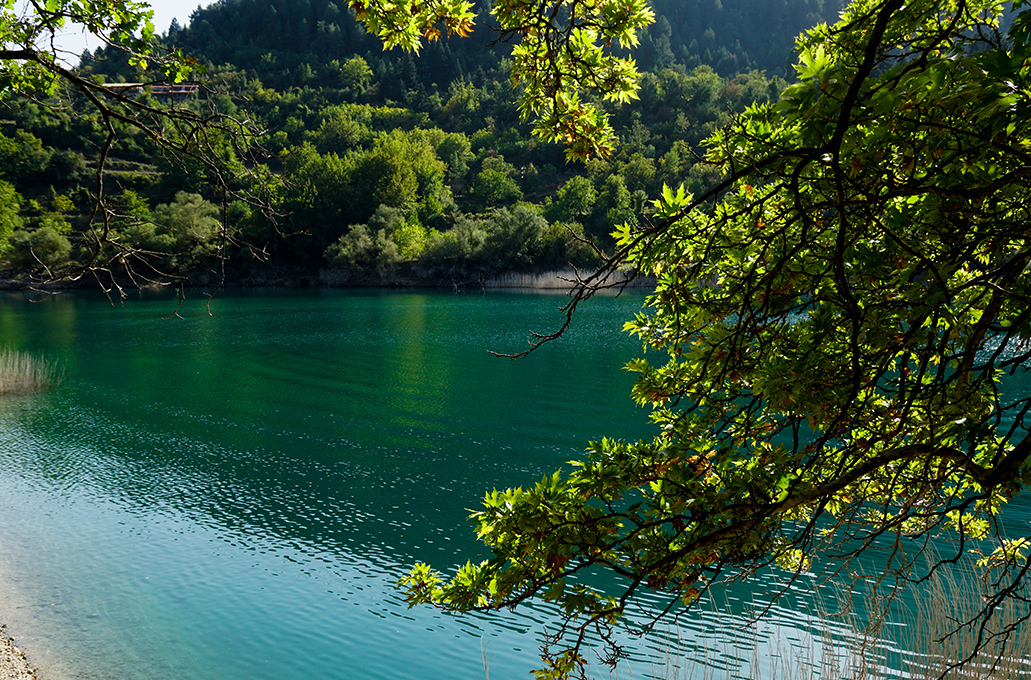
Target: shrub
x,y
359,249
45,246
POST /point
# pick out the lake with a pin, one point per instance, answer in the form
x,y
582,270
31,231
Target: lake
x,y
232,492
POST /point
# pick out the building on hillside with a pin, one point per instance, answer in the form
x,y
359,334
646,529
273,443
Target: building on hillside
x,y
163,91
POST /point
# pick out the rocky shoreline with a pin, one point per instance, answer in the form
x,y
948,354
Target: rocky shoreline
x,y
13,664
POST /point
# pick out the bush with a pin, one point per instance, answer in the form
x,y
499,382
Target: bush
x,y
561,246
513,239
492,187
360,250
182,234
45,246
462,244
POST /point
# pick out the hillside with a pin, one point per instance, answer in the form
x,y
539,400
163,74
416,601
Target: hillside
x,y
383,166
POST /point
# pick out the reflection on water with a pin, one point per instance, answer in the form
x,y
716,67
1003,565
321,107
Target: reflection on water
x,y
234,495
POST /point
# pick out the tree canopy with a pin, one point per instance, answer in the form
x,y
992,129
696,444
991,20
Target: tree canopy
x,y
830,350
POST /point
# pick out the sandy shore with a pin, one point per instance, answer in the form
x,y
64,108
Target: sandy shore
x,y
13,665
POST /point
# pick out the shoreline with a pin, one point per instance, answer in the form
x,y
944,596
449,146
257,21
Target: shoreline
x,y
550,280
13,664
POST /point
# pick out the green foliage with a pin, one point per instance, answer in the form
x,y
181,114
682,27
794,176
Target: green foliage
x,y
355,74
127,23
575,199
386,177
493,187
54,222
314,195
614,207
513,238
133,206
66,168
406,24
324,193
455,150
342,127
407,233
306,98
403,168
504,240
563,244
459,246
462,104
340,133
22,156
494,183
826,347
10,220
179,235
189,218
45,248
360,250
390,238
61,204
639,173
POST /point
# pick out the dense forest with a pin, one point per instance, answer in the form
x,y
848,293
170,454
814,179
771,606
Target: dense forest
x,y
382,167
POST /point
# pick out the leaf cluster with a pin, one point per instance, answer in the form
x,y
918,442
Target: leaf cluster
x,y
563,50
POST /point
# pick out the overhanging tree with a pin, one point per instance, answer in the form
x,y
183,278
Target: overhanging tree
x,y
834,342
34,65
563,53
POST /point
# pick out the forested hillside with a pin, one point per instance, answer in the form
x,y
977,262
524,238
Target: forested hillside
x,y
381,166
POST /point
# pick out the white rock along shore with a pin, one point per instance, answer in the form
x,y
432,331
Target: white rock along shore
x,y
13,664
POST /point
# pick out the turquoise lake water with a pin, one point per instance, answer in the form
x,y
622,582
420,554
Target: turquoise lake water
x,y
233,495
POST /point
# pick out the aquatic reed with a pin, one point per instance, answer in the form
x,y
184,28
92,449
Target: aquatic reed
x,y
939,637
927,641
22,373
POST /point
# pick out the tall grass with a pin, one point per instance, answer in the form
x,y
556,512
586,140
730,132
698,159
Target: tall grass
x,y
22,373
928,641
941,636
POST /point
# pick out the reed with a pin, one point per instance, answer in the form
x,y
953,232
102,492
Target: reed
x,y
928,641
940,638
22,373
